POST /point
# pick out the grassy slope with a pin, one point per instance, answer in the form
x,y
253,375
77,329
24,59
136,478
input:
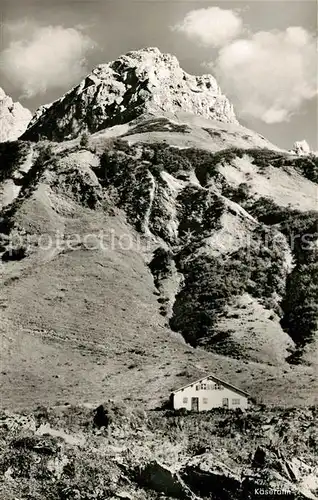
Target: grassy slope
x,y
278,184
85,325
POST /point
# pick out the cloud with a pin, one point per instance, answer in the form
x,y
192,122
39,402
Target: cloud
x,y
269,75
39,58
211,26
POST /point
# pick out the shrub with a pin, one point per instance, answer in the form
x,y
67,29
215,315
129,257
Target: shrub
x,y
308,167
84,141
14,254
265,210
300,304
300,295
159,125
207,286
264,157
300,301
45,152
168,158
200,211
11,155
210,282
160,264
238,195
305,165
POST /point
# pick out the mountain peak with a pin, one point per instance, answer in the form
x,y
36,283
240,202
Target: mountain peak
x,y
139,82
14,118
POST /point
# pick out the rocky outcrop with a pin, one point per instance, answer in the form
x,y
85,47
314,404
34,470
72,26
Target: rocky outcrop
x,y
271,474
162,479
206,476
301,148
14,118
144,81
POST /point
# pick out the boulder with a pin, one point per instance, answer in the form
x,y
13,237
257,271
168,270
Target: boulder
x,y
162,479
209,477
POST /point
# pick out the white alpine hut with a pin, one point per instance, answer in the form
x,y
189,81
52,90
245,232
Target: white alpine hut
x,y
209,392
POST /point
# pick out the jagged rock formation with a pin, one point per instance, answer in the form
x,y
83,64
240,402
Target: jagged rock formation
x,y
301,148
14,118
144,81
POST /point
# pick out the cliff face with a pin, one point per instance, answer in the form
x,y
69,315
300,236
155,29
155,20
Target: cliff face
x,y
144,81
14,118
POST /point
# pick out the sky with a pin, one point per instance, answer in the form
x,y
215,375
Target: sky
x,y
262,52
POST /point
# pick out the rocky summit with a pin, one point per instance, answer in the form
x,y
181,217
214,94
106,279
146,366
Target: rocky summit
x,y
144,81
14,118
147,239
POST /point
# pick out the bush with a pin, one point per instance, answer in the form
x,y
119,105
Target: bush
x,y
11,156
210,282
264,157
14,254
84,141
160,264
45,152
300,303
159,125
167,158
238,195
308,167
300,295
200,212
265,210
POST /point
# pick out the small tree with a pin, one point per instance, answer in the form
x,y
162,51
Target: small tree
x,y
45,152
84,142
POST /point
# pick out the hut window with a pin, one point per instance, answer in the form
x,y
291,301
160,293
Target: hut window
x,y
185,400
205,401
203,386
218,387
235,402
197,387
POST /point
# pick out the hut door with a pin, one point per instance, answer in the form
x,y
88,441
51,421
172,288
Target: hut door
x,y
225,402
195,404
